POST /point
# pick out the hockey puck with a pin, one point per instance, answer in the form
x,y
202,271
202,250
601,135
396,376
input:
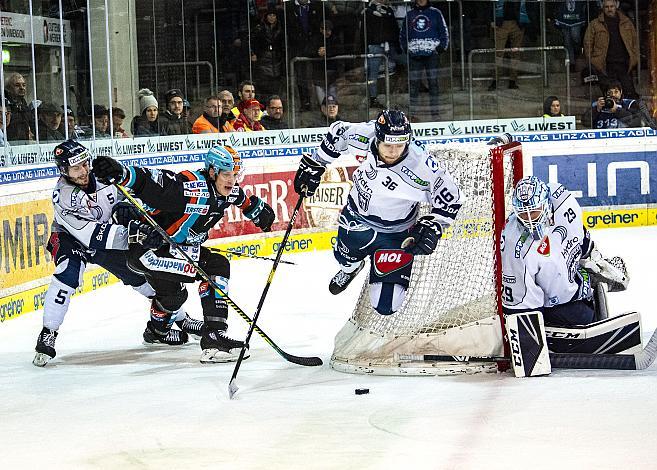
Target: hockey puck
x,y
362,391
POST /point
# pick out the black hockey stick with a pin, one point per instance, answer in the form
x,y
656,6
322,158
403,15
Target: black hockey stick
x,y
302,361
232,386
245,255
637,361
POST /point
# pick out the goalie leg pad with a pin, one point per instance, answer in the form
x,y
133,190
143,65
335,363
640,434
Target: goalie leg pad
x,y
616,335
529,352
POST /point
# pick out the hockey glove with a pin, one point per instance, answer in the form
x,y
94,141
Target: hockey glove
x,y
143,234
108,170
124,212
505,138
308,176
423,237
612,272
260,213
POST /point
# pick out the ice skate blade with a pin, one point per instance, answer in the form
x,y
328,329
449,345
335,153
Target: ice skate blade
x,y
41,359
210,356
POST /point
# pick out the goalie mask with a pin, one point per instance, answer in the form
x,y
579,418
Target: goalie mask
x,y
531,204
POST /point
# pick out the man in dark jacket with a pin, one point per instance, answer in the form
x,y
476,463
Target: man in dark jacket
x,y
22,121
172,121
382,33
273,120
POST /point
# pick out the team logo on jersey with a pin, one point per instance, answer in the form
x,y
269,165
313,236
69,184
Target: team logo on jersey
x,y
389,261
371,172
414,178
201,209
562,232
431,163
544,247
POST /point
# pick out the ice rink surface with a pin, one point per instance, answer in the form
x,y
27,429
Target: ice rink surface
x,y
107,401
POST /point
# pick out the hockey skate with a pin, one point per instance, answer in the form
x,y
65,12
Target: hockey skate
x,y
191,326
217,347
172,338
45,347
342,280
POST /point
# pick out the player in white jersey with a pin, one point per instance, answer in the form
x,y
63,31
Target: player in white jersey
x,y
83,232
380,218
548,256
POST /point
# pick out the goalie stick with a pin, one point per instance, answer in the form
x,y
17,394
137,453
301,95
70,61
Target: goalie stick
x,y
232,386
300,360
638,361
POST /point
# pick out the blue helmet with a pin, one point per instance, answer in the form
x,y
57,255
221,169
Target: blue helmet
x,y
70,153
392,127
222,159
531,204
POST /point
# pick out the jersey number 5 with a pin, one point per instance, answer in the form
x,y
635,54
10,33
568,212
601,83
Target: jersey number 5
x,y
389,183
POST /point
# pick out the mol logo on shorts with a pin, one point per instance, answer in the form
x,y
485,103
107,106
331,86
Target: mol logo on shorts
x,y
389,261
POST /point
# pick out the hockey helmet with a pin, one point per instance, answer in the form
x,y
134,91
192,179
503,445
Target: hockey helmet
x,y
70,153
392,127
222,159
531,204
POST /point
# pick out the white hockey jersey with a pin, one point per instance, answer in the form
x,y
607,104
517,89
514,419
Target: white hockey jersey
x,y
544,273
386,197
87,215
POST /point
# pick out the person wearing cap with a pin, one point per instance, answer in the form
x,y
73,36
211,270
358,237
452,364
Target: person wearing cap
x,y
329,112
172,121
101,121
50,118
147,123
118,116
208,122
249,118
75,132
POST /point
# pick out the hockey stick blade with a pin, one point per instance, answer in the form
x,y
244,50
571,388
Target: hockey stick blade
x,y
638,361
232,389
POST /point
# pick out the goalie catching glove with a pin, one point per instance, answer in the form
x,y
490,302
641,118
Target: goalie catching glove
x,y
309,175
260,213
612,272
108,170
140,233
424,236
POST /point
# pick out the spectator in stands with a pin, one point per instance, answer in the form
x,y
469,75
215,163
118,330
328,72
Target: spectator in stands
x,y
570,17
101,122
302,19
325,72
147,123
172,121
22,120
75,132
512,19
249,118
610,45
246,91
209,121
612,110
382,35
274,117
424,35
268,56
552,107
118,116
6,110
328,113
226,117
50,118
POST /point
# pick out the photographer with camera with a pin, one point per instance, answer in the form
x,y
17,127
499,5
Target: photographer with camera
x,y
612,110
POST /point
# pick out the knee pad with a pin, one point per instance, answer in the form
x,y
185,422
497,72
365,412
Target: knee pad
x,y
69,271
214,263
386,297
172,301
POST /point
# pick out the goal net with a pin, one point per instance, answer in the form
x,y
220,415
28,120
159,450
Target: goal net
x,y
452,306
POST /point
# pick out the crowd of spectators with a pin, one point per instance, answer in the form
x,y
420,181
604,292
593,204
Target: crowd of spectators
x,y
307,34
